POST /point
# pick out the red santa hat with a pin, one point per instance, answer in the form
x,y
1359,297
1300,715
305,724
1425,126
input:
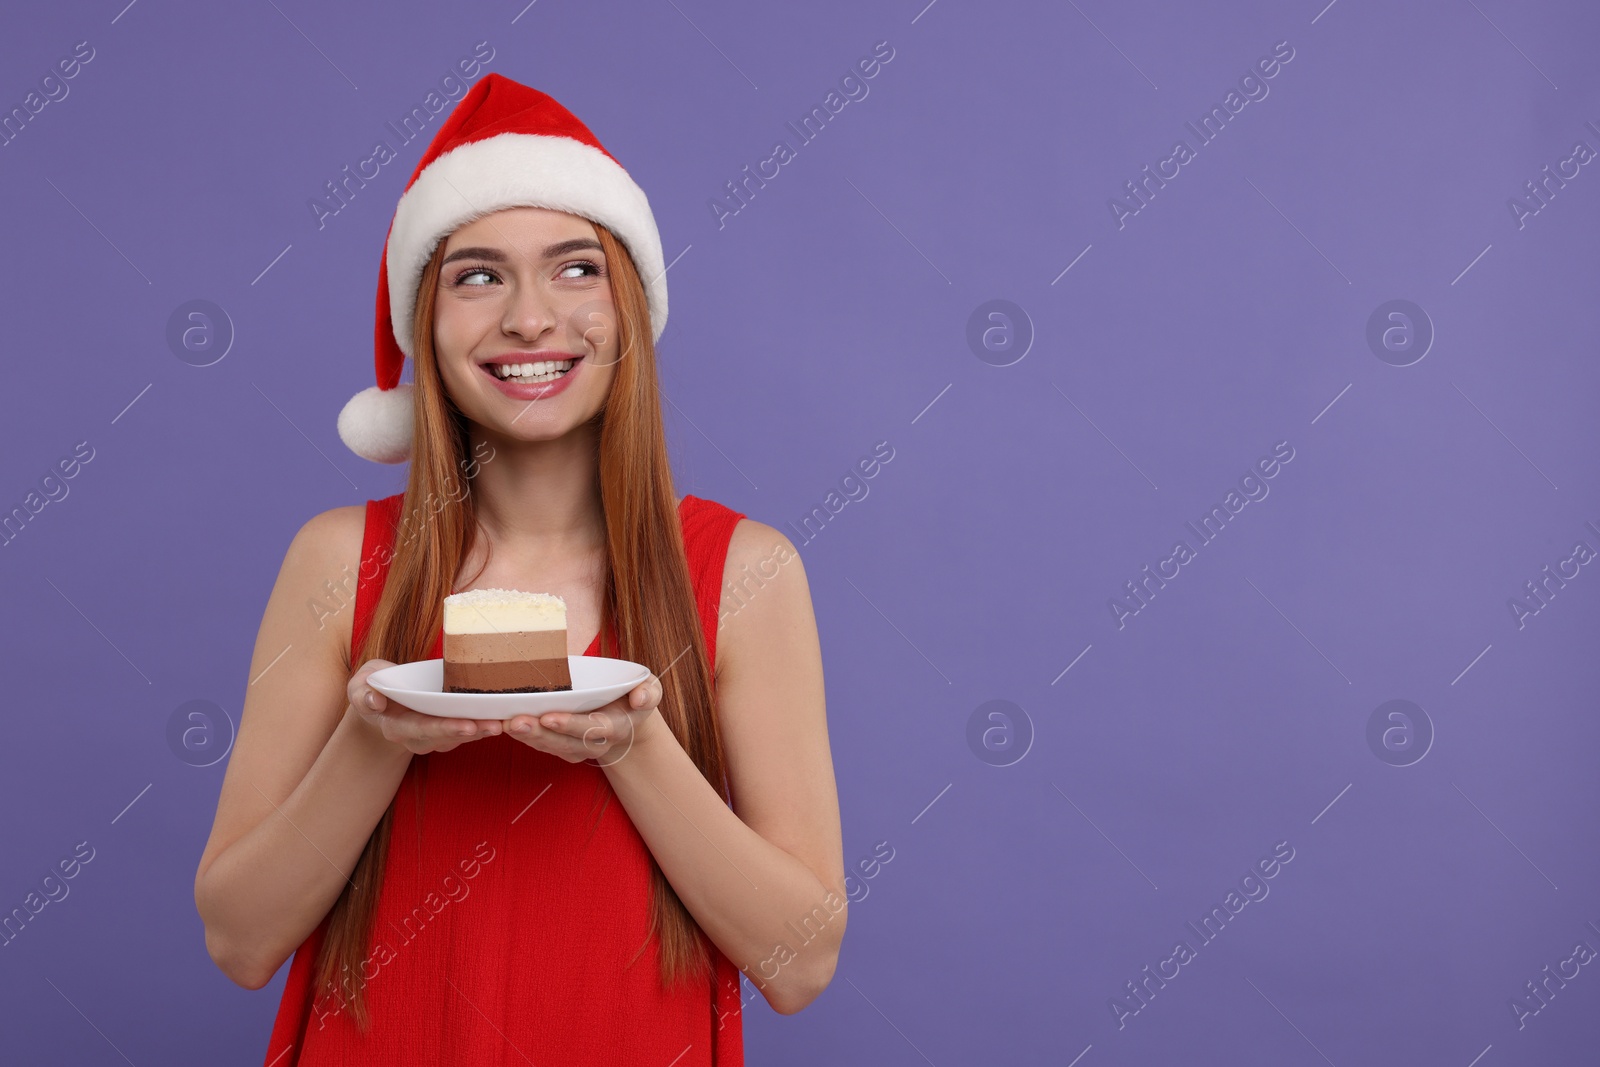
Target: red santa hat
x,y
504,145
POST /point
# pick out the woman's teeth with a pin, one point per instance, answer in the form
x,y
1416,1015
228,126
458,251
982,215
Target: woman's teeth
x,y
531,372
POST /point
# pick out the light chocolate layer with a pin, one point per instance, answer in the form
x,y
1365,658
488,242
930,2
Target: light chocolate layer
x,y
498,648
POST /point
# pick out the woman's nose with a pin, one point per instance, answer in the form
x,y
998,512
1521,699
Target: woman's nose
x,y
529,313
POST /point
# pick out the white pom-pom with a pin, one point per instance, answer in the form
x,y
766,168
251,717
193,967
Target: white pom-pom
x,y
376,424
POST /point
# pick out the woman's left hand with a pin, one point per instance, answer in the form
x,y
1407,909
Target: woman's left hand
x,y
605,735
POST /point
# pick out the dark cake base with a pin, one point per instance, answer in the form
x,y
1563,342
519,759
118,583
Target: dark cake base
x,y
519,689
472,665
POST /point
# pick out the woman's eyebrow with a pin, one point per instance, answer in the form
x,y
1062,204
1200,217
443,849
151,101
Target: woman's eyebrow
x,y
494,255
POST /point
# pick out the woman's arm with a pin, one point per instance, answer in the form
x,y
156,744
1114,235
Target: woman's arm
x,y
314,766
307,779
765,879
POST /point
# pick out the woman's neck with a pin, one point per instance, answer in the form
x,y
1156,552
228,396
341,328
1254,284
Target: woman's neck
x,y
542,495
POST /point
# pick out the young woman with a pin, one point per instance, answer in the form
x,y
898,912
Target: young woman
x,y
564,888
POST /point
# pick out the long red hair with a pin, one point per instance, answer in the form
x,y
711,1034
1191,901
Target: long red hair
x,y
648,599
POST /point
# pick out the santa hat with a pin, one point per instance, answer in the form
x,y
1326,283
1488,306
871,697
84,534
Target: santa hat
x,y
504,145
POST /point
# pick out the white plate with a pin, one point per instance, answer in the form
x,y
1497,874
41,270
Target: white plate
x,y
596,682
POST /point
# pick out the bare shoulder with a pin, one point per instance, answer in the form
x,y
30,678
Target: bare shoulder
x,y
753,540
765,600
322,564
337,531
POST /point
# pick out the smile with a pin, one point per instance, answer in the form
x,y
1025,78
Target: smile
x,y
533,380
531,372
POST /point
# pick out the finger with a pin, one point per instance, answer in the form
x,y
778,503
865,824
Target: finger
x,y
645,693
453,727
531,727
414,728
363,695
598,732
367,700
534,734
569,723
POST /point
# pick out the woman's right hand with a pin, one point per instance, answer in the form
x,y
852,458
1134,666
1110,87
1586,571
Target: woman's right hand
x,y
417,731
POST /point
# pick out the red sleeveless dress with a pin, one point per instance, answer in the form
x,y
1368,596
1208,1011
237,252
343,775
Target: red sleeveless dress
x,y
512,903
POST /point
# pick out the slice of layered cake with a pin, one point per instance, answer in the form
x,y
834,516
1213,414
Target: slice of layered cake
x,y
505,641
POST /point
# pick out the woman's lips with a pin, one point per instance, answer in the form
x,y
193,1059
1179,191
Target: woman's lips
x,y
533,390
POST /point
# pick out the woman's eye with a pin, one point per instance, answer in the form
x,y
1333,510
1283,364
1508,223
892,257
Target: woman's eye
x,y
583,265
476,271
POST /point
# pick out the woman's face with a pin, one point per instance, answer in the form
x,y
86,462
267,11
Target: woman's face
x,y
523,286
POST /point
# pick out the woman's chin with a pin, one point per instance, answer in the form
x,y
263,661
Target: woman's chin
x,y
527,425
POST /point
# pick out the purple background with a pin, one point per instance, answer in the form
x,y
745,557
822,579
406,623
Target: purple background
x,y
832,312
